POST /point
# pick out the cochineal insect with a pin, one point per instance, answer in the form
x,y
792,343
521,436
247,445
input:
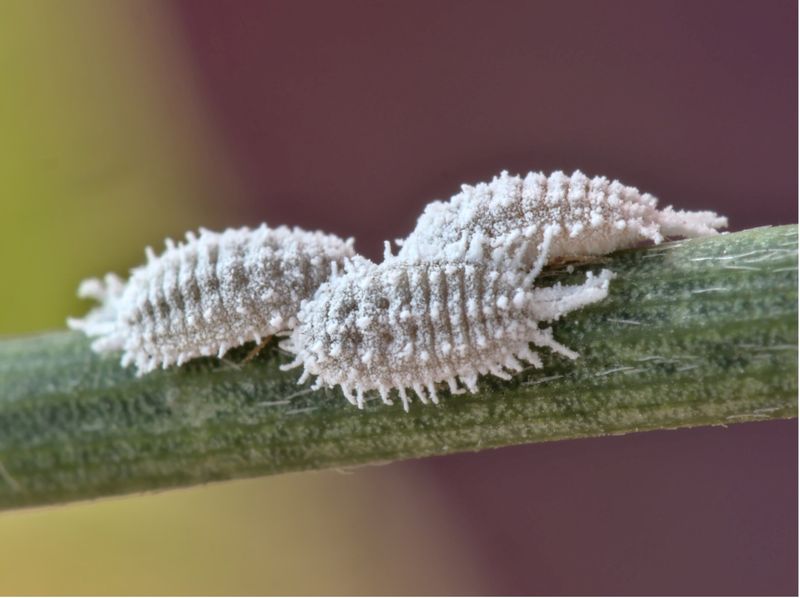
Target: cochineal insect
x,y
211,293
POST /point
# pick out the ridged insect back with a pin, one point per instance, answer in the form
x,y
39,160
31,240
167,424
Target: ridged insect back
x,y
459,299
401,325
213,292
587,216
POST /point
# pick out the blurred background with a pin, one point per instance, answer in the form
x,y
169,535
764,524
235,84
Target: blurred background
x,y
125,122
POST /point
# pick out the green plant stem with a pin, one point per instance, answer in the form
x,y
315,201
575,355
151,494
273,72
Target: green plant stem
x,y
700,332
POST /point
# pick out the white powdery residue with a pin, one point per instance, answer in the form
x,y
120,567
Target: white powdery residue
x,y
590,216
211,293
623,321
710,290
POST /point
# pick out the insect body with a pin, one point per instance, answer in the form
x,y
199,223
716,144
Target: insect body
x,y
216,291
404,325
581,217
456,302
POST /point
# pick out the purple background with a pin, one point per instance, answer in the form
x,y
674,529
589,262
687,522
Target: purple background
x,y
350,116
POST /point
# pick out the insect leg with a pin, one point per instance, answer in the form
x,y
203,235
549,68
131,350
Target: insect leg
x,y
256,350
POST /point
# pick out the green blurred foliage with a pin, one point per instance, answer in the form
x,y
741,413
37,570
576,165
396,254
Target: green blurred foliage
x,y
314,533
104,148
99,153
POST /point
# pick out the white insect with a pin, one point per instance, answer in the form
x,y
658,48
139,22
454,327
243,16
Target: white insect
x,y
457,301
402,325
578,216
214,292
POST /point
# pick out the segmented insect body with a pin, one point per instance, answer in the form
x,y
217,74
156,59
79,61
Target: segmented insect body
x,y
404,325
216,291
578,216
456,302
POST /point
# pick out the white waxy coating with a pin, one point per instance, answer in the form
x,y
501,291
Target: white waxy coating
x,y
404,325
585,216
214,292
455,303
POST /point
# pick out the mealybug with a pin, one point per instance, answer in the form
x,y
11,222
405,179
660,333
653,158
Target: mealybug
x,y
214,292
582,217
410,325
457,301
